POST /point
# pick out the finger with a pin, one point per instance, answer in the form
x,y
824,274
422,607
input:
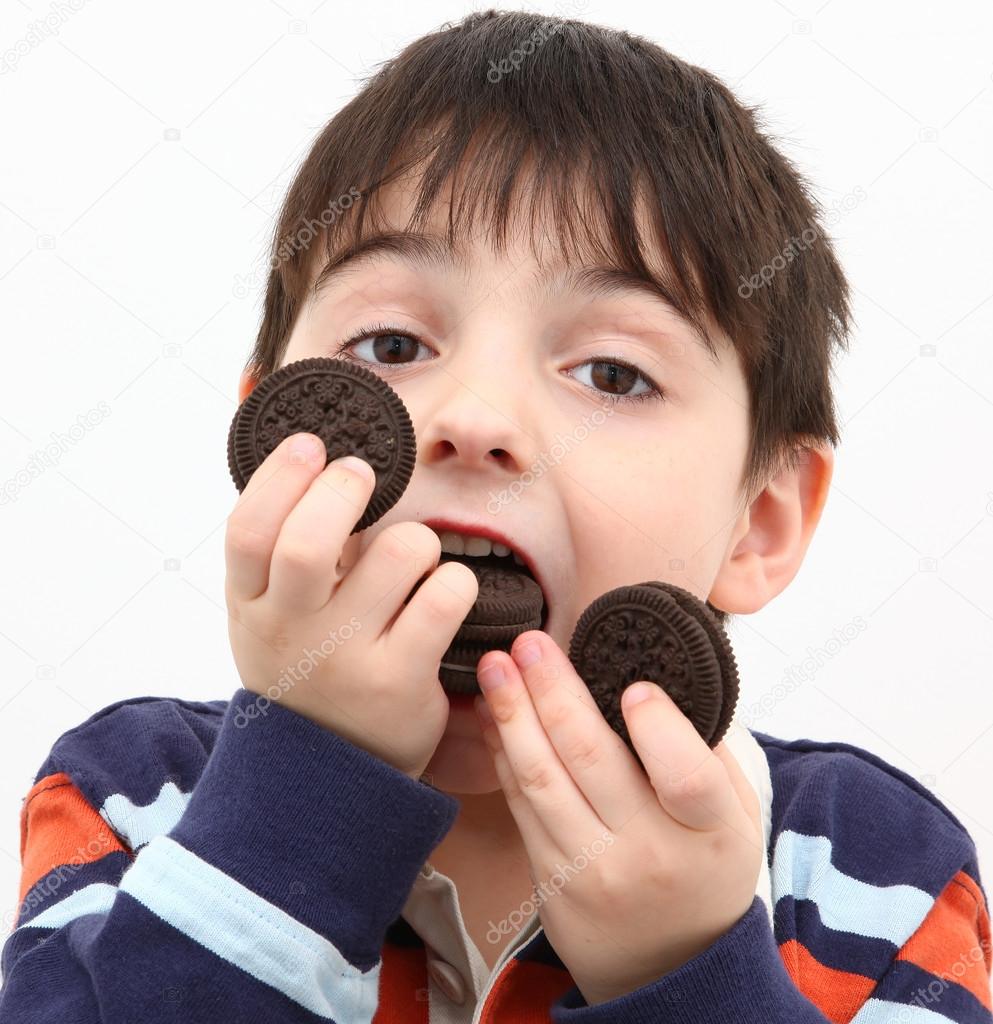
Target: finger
x,y
254,524
746,792
539,776
538,843
303,575
603,768
302,570
437,607
692,784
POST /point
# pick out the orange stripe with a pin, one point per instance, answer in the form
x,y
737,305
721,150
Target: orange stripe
x,y
838,994
524,993
60,827
403,986
953,941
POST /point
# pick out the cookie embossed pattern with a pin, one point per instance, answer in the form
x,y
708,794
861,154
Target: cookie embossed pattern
x,y
662,633
348,407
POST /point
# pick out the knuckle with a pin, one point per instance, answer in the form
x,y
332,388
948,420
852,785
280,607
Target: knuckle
x,y
535,777
694,785
379,687
411,543
721,845
441,604
663,875
294,555
557,717
583,752
243,541
394,543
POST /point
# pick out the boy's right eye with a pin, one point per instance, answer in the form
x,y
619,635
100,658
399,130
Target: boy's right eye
x,y
387,343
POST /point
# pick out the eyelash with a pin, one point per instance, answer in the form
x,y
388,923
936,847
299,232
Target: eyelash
x,y
655,393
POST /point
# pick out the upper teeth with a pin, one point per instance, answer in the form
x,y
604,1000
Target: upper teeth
x,y
460,544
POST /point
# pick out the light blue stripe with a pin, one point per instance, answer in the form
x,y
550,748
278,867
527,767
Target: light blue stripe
x,y
802,868
879,1011
229,919
137,824
96,898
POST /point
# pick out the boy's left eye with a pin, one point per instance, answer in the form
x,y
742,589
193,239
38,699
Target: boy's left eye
x,y
392,345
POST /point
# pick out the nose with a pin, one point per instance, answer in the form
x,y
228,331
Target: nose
x,y
478,421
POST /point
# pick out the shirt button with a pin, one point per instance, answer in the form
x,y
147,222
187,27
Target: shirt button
x,y
448,980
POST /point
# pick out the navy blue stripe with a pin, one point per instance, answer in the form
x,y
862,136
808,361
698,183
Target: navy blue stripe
x,y
907,983
842,951
65,880
813,787
141,969
133,746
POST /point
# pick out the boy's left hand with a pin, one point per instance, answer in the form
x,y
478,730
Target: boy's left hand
x,y
636,874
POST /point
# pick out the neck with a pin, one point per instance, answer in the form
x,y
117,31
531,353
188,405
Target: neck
x,y
484,821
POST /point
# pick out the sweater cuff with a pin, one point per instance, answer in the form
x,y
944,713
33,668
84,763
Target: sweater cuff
x,y
740,977
325,830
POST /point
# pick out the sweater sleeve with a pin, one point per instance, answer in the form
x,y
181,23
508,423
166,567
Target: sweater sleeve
x,y
268,900
740,977
940,975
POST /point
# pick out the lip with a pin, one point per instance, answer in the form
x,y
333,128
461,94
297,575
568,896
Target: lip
x,y
479,530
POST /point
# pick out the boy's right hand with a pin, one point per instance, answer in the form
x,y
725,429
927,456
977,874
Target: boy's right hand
x,y
291,587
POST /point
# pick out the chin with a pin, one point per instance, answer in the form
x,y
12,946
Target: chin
x,y
462,762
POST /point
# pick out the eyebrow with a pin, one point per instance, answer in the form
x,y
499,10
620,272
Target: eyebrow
x,y
433,252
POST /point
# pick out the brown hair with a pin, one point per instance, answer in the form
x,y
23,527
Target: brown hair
x,y
562,103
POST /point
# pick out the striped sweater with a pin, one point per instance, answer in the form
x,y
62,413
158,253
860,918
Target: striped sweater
x,y
182,862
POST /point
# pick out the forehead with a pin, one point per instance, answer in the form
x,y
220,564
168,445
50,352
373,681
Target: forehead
x,y
394,232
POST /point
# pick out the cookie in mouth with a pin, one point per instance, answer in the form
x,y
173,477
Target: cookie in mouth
x,y
509,603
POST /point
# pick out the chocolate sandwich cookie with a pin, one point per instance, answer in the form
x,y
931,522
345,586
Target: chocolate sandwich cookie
x,y
509,603
722,648
348,407
662,633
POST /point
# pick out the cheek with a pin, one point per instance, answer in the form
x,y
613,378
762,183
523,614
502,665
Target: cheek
x,y
650,516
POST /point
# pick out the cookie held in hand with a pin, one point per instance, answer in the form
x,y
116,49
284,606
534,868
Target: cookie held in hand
x,y
662,633
348,407
509,603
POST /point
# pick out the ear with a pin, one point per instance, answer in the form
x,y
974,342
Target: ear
x,y
771,537
246,384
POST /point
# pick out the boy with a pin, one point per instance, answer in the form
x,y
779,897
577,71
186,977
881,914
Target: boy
x,y
345,841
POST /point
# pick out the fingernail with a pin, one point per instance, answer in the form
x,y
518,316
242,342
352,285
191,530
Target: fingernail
x,y
636,693
304,447
492,676
357,465
528,654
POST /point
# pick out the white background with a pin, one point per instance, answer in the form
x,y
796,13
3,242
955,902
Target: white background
x,y
145,149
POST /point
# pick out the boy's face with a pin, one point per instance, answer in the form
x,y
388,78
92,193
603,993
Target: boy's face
x,y
515,429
